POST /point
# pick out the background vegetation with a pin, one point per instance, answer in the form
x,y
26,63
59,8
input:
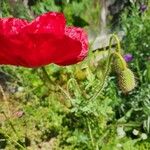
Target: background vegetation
x,y
37,115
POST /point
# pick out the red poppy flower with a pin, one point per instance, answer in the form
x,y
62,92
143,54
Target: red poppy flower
x,y
43,41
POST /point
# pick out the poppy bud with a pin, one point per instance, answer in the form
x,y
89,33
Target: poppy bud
x,y
119,64
126,80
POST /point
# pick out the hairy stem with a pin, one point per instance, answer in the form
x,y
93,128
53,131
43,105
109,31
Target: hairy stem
x,y
108,63
114,36
11,124
47,81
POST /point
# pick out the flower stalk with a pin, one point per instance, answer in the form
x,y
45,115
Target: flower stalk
x,y
44,76
123,73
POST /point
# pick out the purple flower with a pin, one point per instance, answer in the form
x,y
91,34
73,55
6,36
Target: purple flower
x,y
128,57
143,7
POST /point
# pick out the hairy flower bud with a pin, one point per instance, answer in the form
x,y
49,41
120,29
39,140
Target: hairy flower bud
x,y
118,65
126,80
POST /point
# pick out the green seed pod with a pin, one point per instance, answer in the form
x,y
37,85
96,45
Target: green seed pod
x,y
126,80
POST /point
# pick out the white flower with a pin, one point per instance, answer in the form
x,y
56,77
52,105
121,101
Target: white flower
x,y
143,136
135,132
121,133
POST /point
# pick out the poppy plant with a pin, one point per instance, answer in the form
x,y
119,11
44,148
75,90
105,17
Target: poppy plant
x,y
42,41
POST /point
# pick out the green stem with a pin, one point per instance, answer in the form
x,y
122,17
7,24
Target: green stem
x,y
47,81
138,71
90,134
46,74
108,63
114,36
73,81
66,94
11,124
22,147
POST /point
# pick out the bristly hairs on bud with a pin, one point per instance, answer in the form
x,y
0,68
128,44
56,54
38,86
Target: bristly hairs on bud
x,y
108,64
126,80
124,74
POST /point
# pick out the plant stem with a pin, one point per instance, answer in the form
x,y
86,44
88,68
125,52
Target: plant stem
x,y
114,36
108,63
47,81
138,71
22,147
46,76
11,125
90,133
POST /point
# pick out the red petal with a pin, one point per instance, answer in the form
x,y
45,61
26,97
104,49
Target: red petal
x,y
43,41
11,26
48,23
10,42
72,48
45,48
